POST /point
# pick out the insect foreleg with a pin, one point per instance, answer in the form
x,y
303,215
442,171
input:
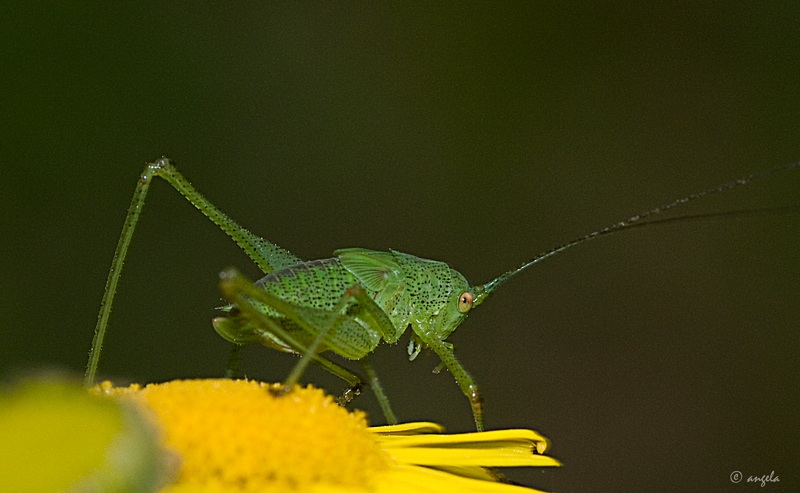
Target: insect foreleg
x,y
463,378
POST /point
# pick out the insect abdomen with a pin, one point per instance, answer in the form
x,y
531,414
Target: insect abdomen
x,y
314,284
320,285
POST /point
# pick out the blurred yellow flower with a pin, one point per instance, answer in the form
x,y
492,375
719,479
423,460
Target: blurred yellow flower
x,y
56,437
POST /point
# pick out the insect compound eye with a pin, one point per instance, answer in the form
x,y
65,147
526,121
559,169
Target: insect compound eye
x,y
465,302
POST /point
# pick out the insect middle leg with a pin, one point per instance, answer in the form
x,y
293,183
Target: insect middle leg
x,y
379,318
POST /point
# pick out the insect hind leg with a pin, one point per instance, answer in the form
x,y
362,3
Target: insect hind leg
x,y
239,291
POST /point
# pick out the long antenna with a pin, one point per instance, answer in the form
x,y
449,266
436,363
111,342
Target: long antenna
x,y
639,221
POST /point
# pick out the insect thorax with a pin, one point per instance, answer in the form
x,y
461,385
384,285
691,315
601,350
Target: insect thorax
x,y
425,297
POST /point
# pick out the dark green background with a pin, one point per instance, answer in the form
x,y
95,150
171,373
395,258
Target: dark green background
x,y
476,133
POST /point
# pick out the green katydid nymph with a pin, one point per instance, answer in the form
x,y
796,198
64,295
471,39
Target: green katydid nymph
x,y
347,304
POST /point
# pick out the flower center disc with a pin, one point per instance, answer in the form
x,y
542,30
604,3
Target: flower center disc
x,y
237,433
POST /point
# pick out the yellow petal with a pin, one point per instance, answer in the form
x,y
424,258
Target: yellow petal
x,y
501,448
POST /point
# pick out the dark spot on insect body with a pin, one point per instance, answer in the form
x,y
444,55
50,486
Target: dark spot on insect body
x,y
318,263
268,278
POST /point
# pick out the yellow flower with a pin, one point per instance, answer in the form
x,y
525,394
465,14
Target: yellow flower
x,y
225,436
56,437
236,436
